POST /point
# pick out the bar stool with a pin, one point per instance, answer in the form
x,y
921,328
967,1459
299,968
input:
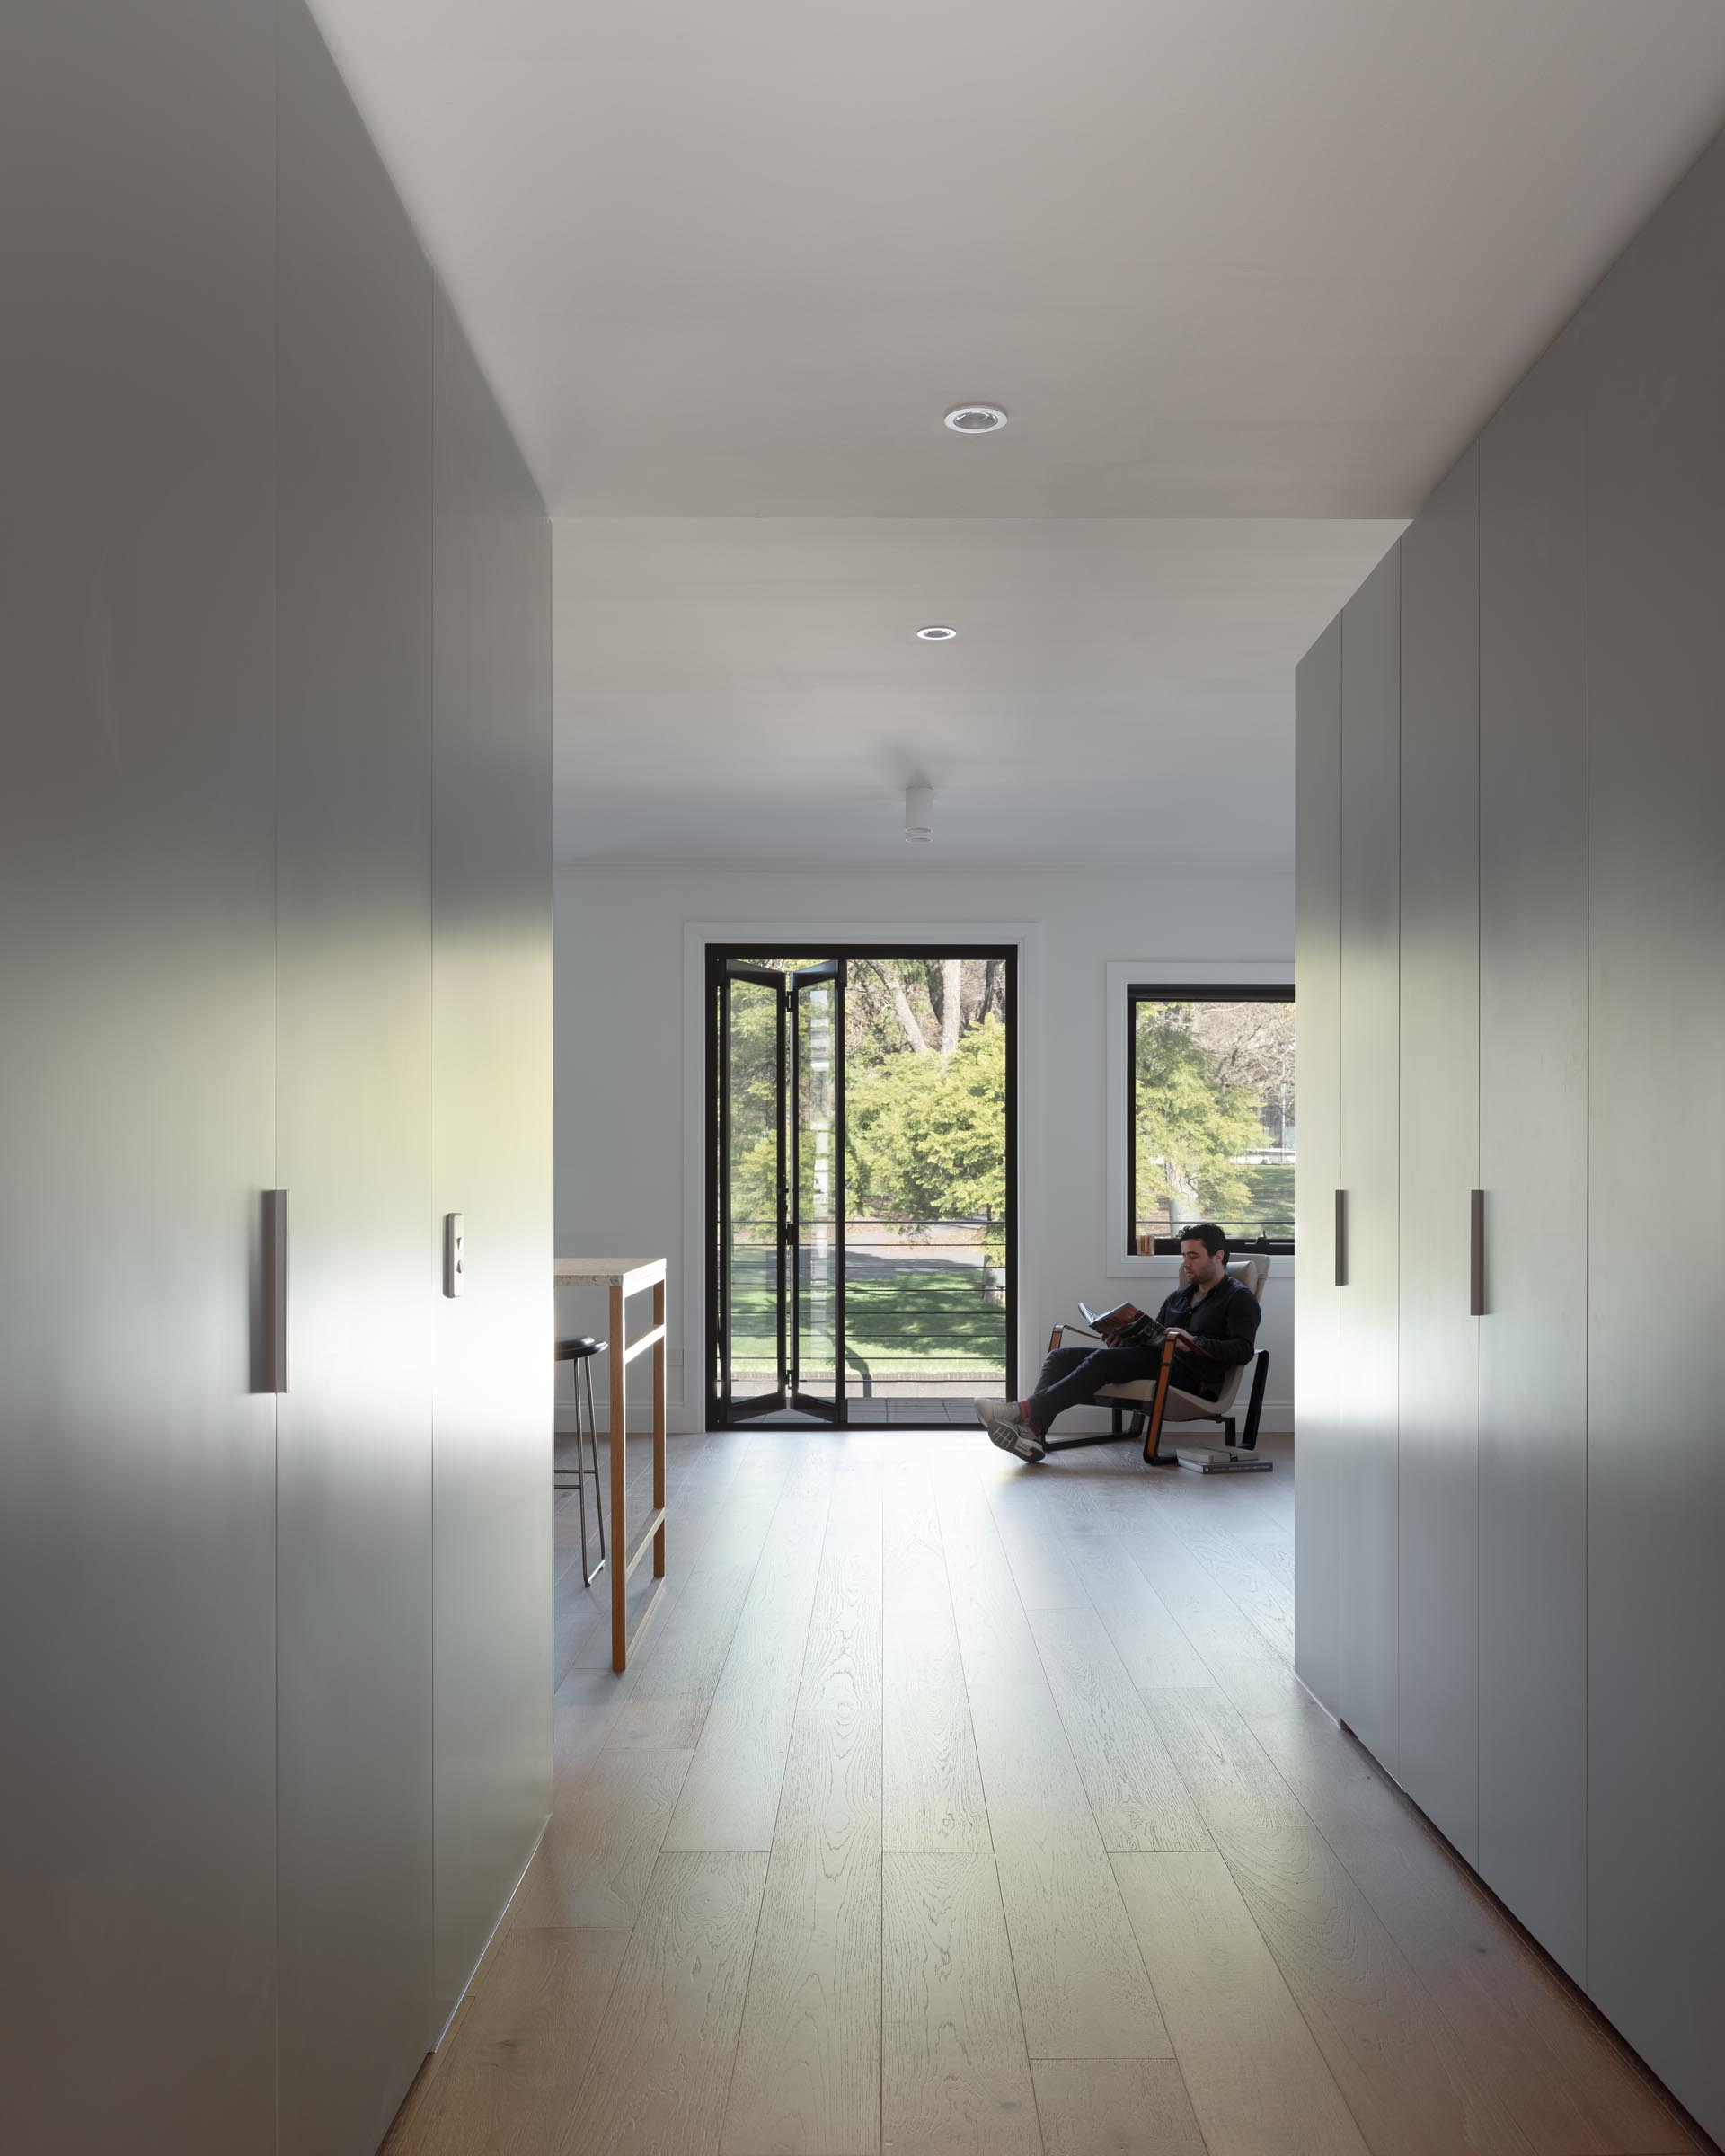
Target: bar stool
x,y
579,1353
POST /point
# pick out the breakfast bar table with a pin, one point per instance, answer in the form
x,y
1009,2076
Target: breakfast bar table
x,y
626,1277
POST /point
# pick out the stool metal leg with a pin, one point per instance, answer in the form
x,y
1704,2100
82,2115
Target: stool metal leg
x,y
599,1488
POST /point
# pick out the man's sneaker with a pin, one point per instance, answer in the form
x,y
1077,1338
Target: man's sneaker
x,y
1012,1435
996,1410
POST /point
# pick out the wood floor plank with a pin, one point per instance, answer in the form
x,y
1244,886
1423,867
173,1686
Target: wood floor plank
x,y
1115,2107
841,1667
1081,1979
659,2074
1257,2082
1570,2083
1410,2081
932,1785
1136,1795
808,2078
1157,1655
955,2073
1042,1569
509,2075
599,1852
730,1796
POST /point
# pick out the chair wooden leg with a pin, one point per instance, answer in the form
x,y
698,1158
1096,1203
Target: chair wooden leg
x,y
1153,1455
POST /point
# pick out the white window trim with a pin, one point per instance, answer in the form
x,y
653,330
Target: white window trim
x,y
1122,975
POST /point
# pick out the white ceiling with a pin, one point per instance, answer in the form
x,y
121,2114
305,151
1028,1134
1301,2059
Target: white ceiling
x,y
752,689
1219,259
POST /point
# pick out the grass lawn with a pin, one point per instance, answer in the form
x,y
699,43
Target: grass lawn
x,y
899,1319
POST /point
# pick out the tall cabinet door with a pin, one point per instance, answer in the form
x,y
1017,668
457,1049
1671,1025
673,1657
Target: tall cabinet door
x,y
1317,1298
1366,1453
492,1488
1438,1495
1656,1579
1533,1348
355,1136
137,1082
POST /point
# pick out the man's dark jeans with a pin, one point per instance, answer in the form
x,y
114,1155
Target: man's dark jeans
x,y
1072,1377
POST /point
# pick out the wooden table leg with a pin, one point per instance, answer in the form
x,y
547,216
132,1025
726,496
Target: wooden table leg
x,y
658,1429
619,1345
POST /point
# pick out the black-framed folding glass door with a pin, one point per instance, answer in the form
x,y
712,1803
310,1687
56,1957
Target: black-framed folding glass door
x,y
861,1185
815,1237
776,1276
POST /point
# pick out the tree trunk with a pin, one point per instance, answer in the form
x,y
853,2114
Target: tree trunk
x,y
901,1006
951,1004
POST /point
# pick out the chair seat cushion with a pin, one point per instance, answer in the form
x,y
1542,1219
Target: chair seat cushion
x,y
576,1349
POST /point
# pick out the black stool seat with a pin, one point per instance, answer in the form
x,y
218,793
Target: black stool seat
x,y
578,1349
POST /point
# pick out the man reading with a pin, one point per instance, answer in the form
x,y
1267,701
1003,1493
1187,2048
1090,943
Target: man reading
x,y
1210,1318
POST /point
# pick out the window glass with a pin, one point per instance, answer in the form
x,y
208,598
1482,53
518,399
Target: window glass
x,y
1212,1115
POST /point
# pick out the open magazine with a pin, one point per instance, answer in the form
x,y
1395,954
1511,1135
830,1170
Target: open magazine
x,y
1124,1326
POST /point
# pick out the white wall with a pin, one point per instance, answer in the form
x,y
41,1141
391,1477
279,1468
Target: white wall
x,y
629,1066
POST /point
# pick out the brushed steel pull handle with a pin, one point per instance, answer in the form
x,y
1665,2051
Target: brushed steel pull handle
x,y
1341,1239
1476,1255
275,1290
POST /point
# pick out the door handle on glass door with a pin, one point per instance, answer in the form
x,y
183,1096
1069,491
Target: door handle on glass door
x,y
1341,1239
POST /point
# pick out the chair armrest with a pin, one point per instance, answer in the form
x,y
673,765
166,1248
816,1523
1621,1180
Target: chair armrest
x,y
1057,1336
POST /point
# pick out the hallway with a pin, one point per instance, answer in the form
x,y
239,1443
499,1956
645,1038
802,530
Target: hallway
x,y
951,1805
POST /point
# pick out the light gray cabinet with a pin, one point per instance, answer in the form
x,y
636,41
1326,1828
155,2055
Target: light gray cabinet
x,y
354,996
1317,1297
490,1094
1531,956
1437,1354
1366,1391
1533,1098
137,1084
1656,1479
228,1623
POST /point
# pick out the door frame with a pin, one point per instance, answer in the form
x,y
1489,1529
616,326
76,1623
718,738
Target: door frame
x,y
709,948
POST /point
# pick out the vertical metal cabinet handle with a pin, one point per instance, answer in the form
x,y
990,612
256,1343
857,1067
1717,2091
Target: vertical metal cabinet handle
x,y
275,1290
1476,1254
1341,1239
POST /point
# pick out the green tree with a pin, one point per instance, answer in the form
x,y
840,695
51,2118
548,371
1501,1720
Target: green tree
x,y
926,1138
1191,1123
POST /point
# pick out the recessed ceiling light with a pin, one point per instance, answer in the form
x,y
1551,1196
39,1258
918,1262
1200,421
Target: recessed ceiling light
x,y
977,419
937,634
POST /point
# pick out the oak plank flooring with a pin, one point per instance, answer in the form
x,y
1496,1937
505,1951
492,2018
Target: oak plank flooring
x,y
1138,1797
931,1710
1410,2081
661,2069
600,1848
842,1666
730,1797
1081,1979
1569,2082
956,2075
1123,2107
516,2062
932,1785
808,2078
1257,2082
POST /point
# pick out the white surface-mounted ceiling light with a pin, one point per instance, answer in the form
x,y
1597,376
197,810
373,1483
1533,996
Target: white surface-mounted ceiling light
x,y
937,632
977,419
919,814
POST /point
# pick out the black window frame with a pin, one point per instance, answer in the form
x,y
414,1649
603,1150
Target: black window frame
x,y
1186,992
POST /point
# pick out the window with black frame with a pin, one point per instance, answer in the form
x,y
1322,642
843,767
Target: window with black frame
x,y
1210,1115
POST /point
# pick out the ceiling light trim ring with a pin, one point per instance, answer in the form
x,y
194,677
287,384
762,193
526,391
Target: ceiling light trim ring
x,y
976,419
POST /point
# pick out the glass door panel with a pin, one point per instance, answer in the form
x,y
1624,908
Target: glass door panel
x,y
752,1332
817,1374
